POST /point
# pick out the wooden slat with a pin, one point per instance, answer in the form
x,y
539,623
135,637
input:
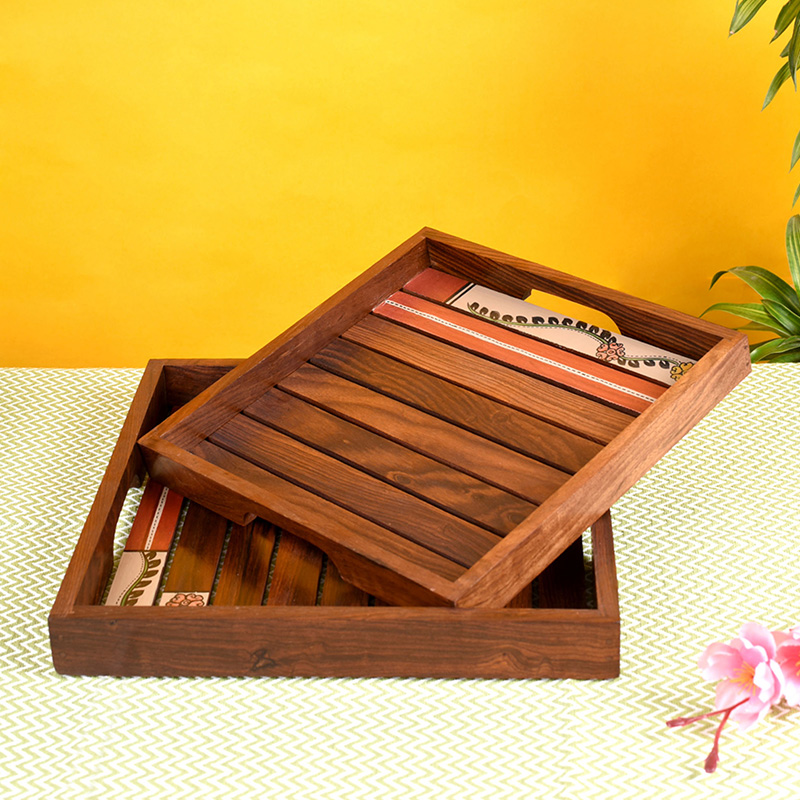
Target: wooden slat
x,y
244,572
461,494
322,522
561,584
337,592
360,493
522,432
426,434
570,410
583,374
295,578
536,542
194,565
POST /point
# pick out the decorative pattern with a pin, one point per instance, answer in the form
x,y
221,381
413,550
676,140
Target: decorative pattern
x,y
722,550
551,326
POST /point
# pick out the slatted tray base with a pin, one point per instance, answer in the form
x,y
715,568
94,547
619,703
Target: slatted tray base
x,y
256,600
438,455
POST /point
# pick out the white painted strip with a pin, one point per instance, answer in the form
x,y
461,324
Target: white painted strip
x,y
151,534
532,356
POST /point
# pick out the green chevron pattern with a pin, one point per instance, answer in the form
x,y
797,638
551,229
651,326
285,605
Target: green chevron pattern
x,y
708,539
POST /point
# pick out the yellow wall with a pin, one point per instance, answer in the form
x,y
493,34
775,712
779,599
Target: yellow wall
x,y
187,178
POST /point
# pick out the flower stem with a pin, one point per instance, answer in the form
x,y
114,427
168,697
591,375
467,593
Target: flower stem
x,y
713,756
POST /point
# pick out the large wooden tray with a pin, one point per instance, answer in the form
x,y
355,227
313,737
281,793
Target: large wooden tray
x,y
436,466
304,620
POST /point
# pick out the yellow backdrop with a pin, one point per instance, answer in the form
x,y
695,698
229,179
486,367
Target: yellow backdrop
x,y
188,178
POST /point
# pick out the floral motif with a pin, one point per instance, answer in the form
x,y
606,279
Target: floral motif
x,y
611,351
679,370
185,599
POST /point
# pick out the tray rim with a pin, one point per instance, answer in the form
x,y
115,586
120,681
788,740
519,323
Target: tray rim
x,y
90,639
723,360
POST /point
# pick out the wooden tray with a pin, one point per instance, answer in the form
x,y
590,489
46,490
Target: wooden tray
x,y
415,443
346,633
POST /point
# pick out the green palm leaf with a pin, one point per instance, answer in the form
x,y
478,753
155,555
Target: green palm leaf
x,y
766,283
794,52
785,17
793,249
774,346
786,318
754,326
780,78
784,358
795,151
754,312
745,11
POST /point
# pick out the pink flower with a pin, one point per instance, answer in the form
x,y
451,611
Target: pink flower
x,y
749,672
789,660
751,680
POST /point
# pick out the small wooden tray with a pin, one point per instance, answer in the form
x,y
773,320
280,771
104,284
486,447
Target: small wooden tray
x,y
438,458
306,621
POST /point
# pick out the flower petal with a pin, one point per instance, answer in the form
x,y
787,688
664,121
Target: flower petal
x,y
719,661
758,636
729,693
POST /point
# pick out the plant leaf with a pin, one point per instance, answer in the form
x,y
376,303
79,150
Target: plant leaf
x,y
794,51
751,311
796,195
780,78
785,17
795,151
793,249
755,326
774,346
785,317
766,283
744,12
790,357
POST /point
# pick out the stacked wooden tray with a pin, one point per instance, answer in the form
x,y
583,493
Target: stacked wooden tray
x,y
434,449
305,620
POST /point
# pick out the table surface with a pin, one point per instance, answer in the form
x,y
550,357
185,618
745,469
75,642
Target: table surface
x,y
705,541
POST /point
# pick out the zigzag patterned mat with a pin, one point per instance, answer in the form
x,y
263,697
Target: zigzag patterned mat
x,y
706,540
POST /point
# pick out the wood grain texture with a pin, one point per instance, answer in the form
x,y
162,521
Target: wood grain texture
x,y
385,505
337,642
196,558
529,435
427,434
295,578
554,404
605,567
360,543
244,573
526,551
336,591
447,488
